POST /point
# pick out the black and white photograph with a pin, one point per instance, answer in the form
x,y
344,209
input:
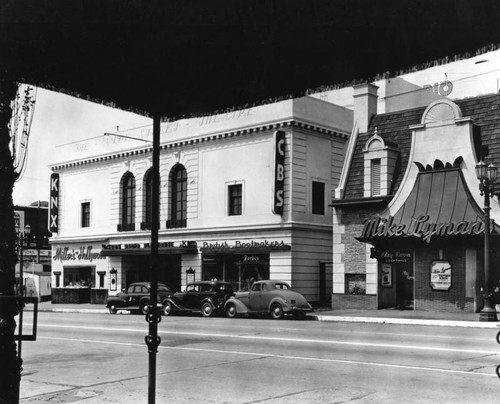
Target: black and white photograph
x,y
241,202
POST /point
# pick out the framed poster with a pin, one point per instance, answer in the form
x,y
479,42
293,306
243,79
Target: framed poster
x,y
386,275
440,275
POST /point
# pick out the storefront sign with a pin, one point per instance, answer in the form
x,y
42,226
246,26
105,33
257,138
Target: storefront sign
x,y
441,275
54,203
444,89
279,172
80,254
166,244
421,227
266,244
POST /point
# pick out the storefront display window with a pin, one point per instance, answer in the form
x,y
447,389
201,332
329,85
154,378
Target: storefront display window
x,y
355,284
242,270
78,277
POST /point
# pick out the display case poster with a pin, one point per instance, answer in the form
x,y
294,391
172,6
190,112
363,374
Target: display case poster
x,y
386,275
441,275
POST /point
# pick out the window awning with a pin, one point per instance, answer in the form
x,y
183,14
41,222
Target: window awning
x,y
440,204
110,252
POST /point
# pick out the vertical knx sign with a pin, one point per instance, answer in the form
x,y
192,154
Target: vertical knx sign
x,y
54,204
279,171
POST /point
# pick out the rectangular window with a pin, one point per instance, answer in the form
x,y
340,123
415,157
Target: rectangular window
x,y
355,284
85,214
318,198
235,193
375,177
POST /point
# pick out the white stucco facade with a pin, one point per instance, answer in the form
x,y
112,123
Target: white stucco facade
x,y
216,152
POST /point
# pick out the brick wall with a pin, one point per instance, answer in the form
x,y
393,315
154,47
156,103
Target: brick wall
x,y
359,302
452,300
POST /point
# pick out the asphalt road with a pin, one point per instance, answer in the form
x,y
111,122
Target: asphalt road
x,y
101,358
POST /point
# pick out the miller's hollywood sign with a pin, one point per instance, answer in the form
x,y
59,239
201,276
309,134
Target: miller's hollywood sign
x,y
420,227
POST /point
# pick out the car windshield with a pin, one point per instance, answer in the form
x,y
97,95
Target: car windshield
x,y
163,289
281,286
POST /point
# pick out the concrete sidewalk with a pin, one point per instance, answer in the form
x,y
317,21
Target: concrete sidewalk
x,y
384,316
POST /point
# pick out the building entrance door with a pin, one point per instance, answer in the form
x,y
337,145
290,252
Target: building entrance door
x,y
404,285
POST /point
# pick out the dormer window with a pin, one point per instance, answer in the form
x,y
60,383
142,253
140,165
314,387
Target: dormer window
x,y
380,162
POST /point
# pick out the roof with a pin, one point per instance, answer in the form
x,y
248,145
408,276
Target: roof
x,y
395,128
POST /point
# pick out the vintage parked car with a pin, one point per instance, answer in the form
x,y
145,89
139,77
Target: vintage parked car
x,y
205,296
136,297
268,297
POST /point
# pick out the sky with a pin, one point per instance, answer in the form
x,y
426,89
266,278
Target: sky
x,y
61,119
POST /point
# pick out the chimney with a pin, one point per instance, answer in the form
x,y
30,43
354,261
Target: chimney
x,y
365,104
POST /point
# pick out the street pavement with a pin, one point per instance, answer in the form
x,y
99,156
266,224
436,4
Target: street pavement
x,y
383,316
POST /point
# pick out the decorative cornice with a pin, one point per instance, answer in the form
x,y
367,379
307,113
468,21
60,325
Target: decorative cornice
x,y
200,140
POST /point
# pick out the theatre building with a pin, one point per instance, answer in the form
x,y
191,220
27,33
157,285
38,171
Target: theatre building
x,y
408,212
243,196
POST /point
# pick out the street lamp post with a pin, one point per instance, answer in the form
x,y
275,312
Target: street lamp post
x,y
487,174
22,236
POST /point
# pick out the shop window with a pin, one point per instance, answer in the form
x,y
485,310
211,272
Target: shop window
x,y
85,212
178,208
235,202
128,203
375,177
58,278
355,284
318,198
101,275
78,277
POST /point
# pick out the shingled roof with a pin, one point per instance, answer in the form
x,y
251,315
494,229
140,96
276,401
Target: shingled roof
x,y
394,127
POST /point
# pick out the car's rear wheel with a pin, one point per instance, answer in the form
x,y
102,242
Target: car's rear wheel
x,y
207,309
231,310
276,311
167,309
144,307
112,309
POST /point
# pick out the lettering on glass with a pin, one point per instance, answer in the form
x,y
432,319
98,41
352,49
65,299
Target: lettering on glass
x,y
54,203
279,171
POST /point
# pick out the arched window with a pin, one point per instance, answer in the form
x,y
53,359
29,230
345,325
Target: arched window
x,y
128,202
179,197
148,200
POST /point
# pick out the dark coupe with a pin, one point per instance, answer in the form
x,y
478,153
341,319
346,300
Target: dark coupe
x,y
271,297
136,297
205,296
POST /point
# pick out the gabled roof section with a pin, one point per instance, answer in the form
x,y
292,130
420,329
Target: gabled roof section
x,y
395,128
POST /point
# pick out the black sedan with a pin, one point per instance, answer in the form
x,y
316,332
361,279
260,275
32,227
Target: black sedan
x,y
207,297
136,297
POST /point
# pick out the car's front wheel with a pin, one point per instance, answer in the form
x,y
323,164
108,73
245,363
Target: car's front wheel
x,y
207,309
167,309
276,311
231,310
112,309
144,307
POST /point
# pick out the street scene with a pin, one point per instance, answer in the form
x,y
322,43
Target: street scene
x,y
251,202
100,358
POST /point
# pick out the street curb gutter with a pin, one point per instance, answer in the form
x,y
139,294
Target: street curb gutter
x,y
384,320
338,319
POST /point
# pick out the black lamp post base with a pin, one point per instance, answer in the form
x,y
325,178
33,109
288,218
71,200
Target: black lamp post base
x,y
488,315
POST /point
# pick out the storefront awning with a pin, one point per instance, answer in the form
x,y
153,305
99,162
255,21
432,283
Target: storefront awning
x,y
147,251
440,204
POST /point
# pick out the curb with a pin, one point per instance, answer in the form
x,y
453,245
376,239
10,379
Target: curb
x,y
337,319
385,320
